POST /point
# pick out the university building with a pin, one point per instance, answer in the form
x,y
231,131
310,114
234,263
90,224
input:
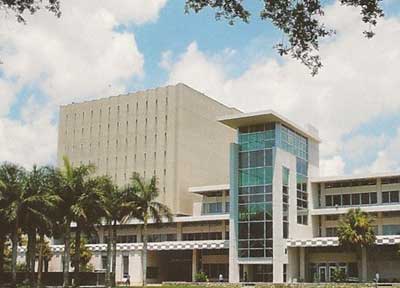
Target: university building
x,y
244,188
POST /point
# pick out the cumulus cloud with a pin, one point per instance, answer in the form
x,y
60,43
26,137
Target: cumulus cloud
x,y
85,54
388,157
30,140
332,166
358,82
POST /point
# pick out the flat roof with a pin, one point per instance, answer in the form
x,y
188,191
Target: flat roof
x,y
354,177
247,119
210,188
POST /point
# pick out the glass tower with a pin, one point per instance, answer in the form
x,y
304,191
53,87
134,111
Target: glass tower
x,y
255,190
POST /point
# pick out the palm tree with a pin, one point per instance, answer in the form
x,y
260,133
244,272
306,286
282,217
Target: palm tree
x,y
356,233
81,203
115,212
4,228
141,203
86,212
37,213
13,199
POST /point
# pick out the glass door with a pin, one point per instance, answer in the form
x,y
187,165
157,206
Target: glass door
x,y
322,274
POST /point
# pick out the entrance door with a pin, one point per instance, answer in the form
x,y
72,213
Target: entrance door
x,y
322,274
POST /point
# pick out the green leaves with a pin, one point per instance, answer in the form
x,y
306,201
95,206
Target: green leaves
x,y
299,20
355,230
19,7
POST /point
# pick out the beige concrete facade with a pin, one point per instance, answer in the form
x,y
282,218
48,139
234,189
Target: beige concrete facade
x,y
170,132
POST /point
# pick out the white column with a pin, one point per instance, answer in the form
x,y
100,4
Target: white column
x,y
179,231
135,267
293,266
194,264
302,266
364,272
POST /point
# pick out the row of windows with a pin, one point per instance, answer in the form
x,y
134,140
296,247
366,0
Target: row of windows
x,y
118,108
256,253
301,190
169,237
250,244
117,142
352,183
215,208
255,212
366,182
202,236
161,237
255,176
285,202
351,199
118,124
390,197
123,239
255,230
294,143
257,137
392,229
259,158
256,190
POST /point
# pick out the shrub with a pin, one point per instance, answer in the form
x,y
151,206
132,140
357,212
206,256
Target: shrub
x,y
201,277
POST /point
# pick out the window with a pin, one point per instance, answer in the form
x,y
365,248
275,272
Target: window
x,y
331,232
302,219
152,273
391,229
285,202
104,262
125,266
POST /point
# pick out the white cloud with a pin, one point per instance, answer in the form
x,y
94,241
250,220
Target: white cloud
x,y
79,56
358,82
358,146
388,158
332,166
166,60
28,142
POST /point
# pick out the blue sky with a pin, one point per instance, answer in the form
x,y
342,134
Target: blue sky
x,y
97,49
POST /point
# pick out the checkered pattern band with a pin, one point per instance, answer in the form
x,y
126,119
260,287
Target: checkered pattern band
x,y
333,241
153,246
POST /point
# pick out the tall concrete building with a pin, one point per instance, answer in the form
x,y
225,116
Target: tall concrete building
x,y
170,132
261,212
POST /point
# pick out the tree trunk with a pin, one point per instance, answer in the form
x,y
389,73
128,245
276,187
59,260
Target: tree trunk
x,y
77,257
114,244
2,246
67,249
32,256
28,257
108,264
14,254
144,256
40,262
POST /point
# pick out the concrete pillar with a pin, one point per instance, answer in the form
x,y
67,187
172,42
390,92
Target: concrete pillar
x,y
195,260
364,272
224,201
379,190
293,266
135,267
234,271
179,231
302,264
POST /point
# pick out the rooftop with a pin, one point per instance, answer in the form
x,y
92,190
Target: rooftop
x,y
208,189
355,177
247,119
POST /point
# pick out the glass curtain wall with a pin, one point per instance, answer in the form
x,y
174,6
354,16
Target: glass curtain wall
x,y
255,190
298,145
